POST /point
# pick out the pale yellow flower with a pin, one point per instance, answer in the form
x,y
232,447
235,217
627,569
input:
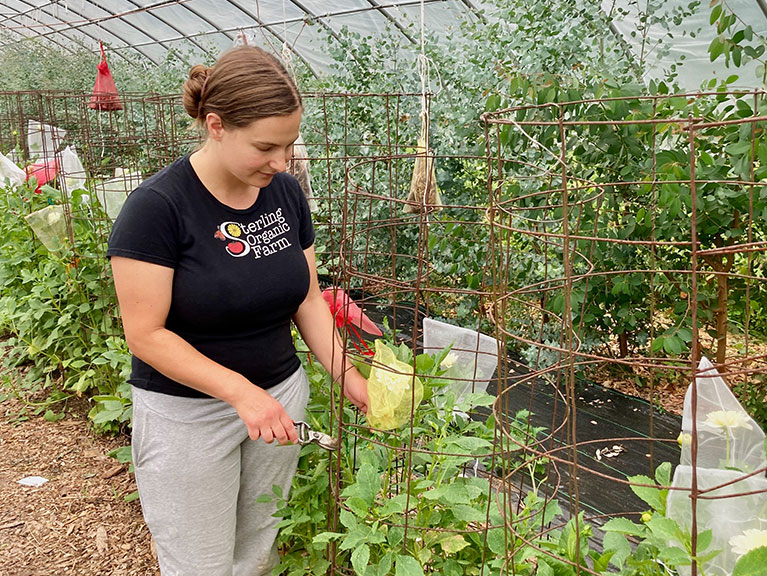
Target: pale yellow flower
x,y
727,420
53,217
749,540
449,361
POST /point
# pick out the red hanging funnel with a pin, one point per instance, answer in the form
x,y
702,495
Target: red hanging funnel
x,y
104,95
43,172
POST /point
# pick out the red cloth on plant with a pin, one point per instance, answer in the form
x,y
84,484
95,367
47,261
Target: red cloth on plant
x,y
43,171
104,95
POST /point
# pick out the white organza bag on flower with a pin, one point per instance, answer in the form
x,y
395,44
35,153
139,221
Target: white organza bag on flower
x,y
11,173
72,171
43,140
112,193
728,438
472,359
730,447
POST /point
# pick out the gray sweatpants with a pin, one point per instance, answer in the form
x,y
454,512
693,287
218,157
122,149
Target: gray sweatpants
x,y
199,474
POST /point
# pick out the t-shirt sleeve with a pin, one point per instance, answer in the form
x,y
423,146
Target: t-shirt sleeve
x,y
146,229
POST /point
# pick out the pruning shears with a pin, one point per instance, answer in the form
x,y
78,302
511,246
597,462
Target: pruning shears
x,y
306,436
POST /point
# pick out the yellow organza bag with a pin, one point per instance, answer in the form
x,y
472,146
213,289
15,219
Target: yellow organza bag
x,y
390,396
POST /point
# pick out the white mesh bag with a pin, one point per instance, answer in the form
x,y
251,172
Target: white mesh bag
x,y
472,359
50,226
43,140
727,436
72,171
10,172
112,193
730,519
730,446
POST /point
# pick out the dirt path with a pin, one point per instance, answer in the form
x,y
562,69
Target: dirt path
x,y
77,522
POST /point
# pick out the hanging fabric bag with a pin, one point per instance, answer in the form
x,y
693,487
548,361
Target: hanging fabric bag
x,y
104,95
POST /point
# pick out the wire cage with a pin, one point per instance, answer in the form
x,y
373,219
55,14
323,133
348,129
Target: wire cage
x,y
632,242
426,268
615,240
79,165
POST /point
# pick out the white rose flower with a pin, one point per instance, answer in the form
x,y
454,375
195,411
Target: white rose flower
x,y
391,381
53,217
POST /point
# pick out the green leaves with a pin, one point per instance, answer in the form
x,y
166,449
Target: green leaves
x,y
619,546
367,485
323,538
450,494
466,513
664,529
360,558
752,563
651,496
663,474
734,42
59,305
407,566
452,543
715,13
623,526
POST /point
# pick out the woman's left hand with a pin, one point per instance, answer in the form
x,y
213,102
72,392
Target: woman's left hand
x,y
356,390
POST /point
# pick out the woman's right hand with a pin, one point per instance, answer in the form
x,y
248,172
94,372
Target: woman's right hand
x,y
264,416
144,291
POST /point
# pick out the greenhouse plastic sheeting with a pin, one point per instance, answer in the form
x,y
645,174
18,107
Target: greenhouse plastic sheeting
x,y
207,27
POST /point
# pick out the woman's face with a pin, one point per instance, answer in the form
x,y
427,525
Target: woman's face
x,y
255,153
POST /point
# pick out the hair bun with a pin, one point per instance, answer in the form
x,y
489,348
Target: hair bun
x,y
194,88
247,83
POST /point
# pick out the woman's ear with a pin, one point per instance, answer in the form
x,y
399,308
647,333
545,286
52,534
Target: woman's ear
x,y
214,125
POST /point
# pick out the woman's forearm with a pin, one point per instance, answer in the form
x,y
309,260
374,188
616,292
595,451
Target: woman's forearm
x,y
318,330
174,357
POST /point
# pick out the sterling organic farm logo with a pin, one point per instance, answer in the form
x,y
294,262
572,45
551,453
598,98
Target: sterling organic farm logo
x,y
262,237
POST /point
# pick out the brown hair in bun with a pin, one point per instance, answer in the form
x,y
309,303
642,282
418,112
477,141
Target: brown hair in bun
x,y
246,84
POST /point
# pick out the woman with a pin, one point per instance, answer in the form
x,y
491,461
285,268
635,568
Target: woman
x,y
212,258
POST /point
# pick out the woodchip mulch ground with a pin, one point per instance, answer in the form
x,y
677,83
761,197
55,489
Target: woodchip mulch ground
x,y
78,522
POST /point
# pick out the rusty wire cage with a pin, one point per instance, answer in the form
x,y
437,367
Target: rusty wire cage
x,y
632,242
87,162
596,241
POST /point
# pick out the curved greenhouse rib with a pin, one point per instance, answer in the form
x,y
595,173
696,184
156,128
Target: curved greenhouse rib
x,y
28,12
172,27
474,10
268,27
22,37
378,8
763,5
79,25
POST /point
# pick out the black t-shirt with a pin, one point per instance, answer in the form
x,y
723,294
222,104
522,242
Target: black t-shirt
x,y
239,275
